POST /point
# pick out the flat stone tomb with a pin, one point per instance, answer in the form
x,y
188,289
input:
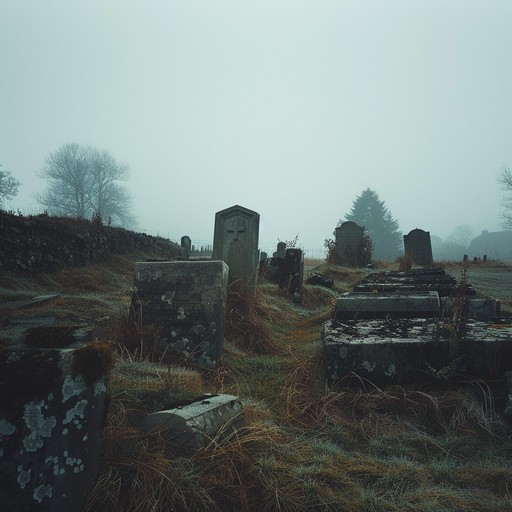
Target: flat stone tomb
x,y
401,350
181,307
359,305
485,308
420,280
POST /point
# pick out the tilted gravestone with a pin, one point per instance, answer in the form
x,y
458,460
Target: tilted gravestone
x,y
348,243
182,304
235,242
418,245
53,396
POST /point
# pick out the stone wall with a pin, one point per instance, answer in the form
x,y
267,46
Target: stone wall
x,y
41,243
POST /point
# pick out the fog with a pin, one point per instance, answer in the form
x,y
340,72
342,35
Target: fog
x,y
289,108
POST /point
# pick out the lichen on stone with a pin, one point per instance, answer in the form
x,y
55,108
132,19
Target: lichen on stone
x,y
39,426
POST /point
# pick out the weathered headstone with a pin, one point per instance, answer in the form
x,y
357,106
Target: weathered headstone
x,y
292,273
349,239
280,252
186,245
52,411
183,304
236,243
418,245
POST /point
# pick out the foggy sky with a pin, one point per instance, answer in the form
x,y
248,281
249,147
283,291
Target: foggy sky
x,y
290,108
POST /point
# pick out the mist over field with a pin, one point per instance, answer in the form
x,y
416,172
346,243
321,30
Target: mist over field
x,y
290,109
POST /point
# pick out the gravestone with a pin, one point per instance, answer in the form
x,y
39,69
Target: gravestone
x,y
292,274
52,410
235,242
182,304
186,245
280,252
418,245
348,243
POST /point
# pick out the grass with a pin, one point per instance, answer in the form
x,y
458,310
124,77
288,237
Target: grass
x,y
304,446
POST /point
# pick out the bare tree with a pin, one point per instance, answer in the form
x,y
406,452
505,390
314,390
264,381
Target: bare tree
x,y
108,198
83,182
461,235
505,182
8,186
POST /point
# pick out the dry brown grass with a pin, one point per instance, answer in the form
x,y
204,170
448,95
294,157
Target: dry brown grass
x,y
248,323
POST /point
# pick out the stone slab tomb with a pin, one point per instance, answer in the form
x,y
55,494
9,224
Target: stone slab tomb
x,y
191,426
361,305
485,308
180,306
401,350
417,244
52,412
348,240
418,280
235,242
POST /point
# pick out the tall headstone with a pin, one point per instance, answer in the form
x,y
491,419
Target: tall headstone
x,y
349,239
181,307
235,242
186,245
418,245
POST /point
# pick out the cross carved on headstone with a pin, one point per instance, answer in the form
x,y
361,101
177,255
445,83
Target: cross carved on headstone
x,y
236,226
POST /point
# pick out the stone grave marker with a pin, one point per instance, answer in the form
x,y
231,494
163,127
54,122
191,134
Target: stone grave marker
x,y
53,399
186,245
348,240
292,274
183,304
191,426
418,245
235,242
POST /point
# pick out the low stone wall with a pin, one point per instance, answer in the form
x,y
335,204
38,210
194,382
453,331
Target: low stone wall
x,y
47,244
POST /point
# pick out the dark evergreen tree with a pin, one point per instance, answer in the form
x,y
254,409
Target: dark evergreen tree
x,y
369,211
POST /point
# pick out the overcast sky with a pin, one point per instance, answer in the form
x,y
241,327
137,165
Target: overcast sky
x,y
289,108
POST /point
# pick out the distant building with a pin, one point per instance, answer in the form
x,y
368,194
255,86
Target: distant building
x,y
496,245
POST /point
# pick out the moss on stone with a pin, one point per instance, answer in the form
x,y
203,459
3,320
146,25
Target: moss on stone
x,y
93,361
